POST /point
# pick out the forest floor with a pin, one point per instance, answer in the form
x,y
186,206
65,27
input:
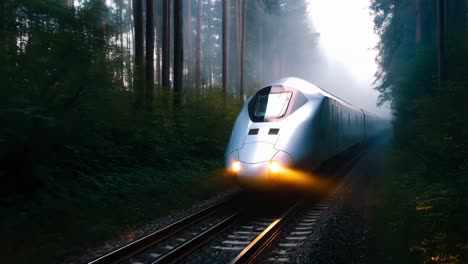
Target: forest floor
x,y
344,234
420,219
72,181
53,230
388,212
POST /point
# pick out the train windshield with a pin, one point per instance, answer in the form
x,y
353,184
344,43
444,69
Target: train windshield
x,y
272,105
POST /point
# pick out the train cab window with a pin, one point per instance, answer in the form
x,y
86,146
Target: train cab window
x,y
273,103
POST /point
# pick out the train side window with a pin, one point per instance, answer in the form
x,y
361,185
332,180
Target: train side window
x,y
341,116
332,116
349,119
356,120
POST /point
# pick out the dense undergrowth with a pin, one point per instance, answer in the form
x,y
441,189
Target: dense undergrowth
x,y
41,147
420,219
423,195
79,163
72,179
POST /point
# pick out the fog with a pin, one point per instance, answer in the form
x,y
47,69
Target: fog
x,y
347,48
330,43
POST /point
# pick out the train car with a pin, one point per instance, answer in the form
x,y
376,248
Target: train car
x,y
291,123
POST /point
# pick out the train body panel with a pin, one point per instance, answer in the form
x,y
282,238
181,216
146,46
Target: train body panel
x,y
292,123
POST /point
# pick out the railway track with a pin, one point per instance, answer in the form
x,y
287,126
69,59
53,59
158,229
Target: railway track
x,y
142,250
133,249
265,238
238,229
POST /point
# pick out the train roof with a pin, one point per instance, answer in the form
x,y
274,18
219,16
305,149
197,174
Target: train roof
x,y
309,89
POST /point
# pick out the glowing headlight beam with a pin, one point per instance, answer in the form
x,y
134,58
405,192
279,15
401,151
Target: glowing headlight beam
x,y
236,166
274,166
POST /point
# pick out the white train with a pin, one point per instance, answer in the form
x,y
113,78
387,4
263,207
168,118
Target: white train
x,y
289,123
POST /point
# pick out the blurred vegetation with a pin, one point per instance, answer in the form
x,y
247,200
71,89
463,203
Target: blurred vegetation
x,y
78,162
64,116
424,196
419,219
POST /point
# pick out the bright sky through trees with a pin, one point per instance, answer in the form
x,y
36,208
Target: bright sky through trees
x,y
346,34
347,38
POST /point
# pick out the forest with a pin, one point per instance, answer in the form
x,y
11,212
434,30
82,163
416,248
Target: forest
x,y
112,102
423,73
129,104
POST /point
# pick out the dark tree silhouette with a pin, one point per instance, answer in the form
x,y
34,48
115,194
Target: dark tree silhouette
x,y
149,65
166,38
139,70
178,52
226,33
198,71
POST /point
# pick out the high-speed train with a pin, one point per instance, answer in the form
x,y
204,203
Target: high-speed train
x,y
293,122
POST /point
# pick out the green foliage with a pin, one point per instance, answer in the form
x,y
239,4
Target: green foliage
x,y
112,136
423,192
420,220
64,111
96,208
78,163
429,119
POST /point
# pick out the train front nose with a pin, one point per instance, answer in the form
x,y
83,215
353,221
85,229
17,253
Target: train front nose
x,y
254,174
256,164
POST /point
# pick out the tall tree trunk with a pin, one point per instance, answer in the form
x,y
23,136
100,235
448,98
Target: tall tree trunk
x,y
466,15
190,70
139,69
8,36
212,80
149,73
199,72
238,42
178,52
128,61
121,33
166,38
226,33
241,48
157,27
418,21
260,49
441,29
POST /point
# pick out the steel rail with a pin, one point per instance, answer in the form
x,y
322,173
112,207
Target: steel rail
x,y
147,241
249,253
185,249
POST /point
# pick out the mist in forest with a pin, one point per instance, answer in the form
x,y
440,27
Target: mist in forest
x,y
347,46
329,43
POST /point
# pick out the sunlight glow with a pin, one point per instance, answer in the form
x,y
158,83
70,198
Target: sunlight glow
x,y
346,35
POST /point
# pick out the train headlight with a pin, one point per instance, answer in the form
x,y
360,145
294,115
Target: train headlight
x,y
274,166
236,166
